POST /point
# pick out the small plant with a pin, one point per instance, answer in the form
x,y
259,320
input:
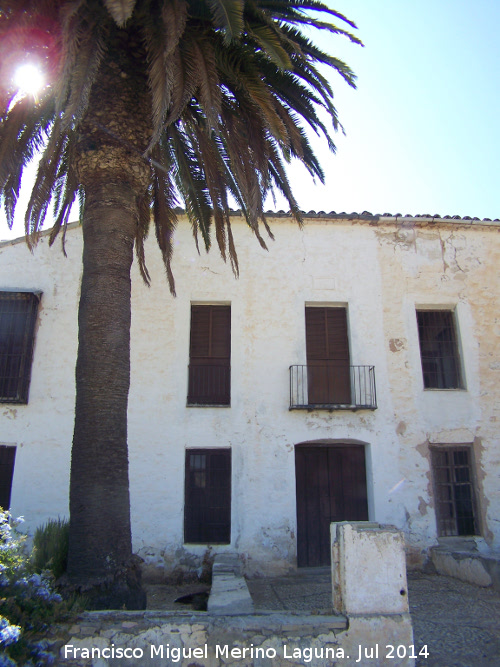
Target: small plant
x,y
50,547
28,603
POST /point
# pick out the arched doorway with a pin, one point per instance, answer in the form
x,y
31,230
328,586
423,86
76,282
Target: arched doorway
x,y
330,486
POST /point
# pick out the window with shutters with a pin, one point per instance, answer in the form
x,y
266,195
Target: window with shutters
x,y
207,508
327,350
210,356
7,458
454,491
328,381
18,311
439,349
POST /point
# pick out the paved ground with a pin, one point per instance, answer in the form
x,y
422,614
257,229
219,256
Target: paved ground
x,y
459,622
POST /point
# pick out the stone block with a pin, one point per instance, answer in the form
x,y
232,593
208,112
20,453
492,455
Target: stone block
x,y
368,569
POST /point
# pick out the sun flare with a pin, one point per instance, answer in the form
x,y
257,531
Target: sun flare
x,y
29,79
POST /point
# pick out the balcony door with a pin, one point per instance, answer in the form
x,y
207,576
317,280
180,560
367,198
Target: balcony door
x,y
330,486
328,363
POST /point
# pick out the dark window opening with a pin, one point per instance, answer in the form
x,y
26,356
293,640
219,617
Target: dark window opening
x,y
18,311
439,349
454,491
210,356
207,510
7,458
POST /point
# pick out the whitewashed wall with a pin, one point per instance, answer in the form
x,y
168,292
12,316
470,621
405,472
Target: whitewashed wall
x,y
380,269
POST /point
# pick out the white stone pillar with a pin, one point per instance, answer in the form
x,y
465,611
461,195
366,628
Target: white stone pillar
x,y
368,569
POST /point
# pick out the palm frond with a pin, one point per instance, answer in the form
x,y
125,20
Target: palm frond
x,y
44,182
65,192
227,16
90,55
251,88
329,27
23,133
162,33
269,41
185,82
73,32
143,222
208,153
164,201
174,15
284,9
281,182
190,181
208,92
120,10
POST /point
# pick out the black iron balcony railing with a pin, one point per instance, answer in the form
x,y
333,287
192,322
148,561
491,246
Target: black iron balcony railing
x,y
332,386
209,385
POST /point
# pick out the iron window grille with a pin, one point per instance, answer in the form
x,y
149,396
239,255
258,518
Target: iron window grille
x,y
332,387
439,349
454,491
18,312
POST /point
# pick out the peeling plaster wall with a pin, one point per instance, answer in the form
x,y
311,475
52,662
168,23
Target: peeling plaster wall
x,y
455,267
379,269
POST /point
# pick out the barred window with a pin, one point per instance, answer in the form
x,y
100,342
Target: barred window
x,y
439,349
207,510
18,311
454,491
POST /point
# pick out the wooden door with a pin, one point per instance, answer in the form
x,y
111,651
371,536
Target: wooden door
x,y
330,486
327,349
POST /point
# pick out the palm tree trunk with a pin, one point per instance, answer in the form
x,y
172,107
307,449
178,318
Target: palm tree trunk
x,y
109,163
100,553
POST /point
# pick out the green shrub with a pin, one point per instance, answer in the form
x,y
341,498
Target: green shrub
x,y
28,603
50,547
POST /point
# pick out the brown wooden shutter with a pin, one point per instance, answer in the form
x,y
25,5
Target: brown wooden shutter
x,y
200,332
327,349
220,339
207,510
7,458
316,338
210,355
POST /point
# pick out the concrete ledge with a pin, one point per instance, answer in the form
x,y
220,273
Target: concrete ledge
x,y
472,567
229,594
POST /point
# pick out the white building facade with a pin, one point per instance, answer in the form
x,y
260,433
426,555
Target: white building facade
x,y
352,372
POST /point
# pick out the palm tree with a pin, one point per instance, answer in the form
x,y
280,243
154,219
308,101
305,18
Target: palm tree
x,y
149,103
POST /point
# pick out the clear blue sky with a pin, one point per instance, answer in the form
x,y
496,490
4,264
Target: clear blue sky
x,y
423,128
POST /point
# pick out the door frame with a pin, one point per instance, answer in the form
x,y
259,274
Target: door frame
x,y
344,443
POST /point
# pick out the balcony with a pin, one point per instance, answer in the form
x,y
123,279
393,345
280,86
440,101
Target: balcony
x,y
332,386
209,385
